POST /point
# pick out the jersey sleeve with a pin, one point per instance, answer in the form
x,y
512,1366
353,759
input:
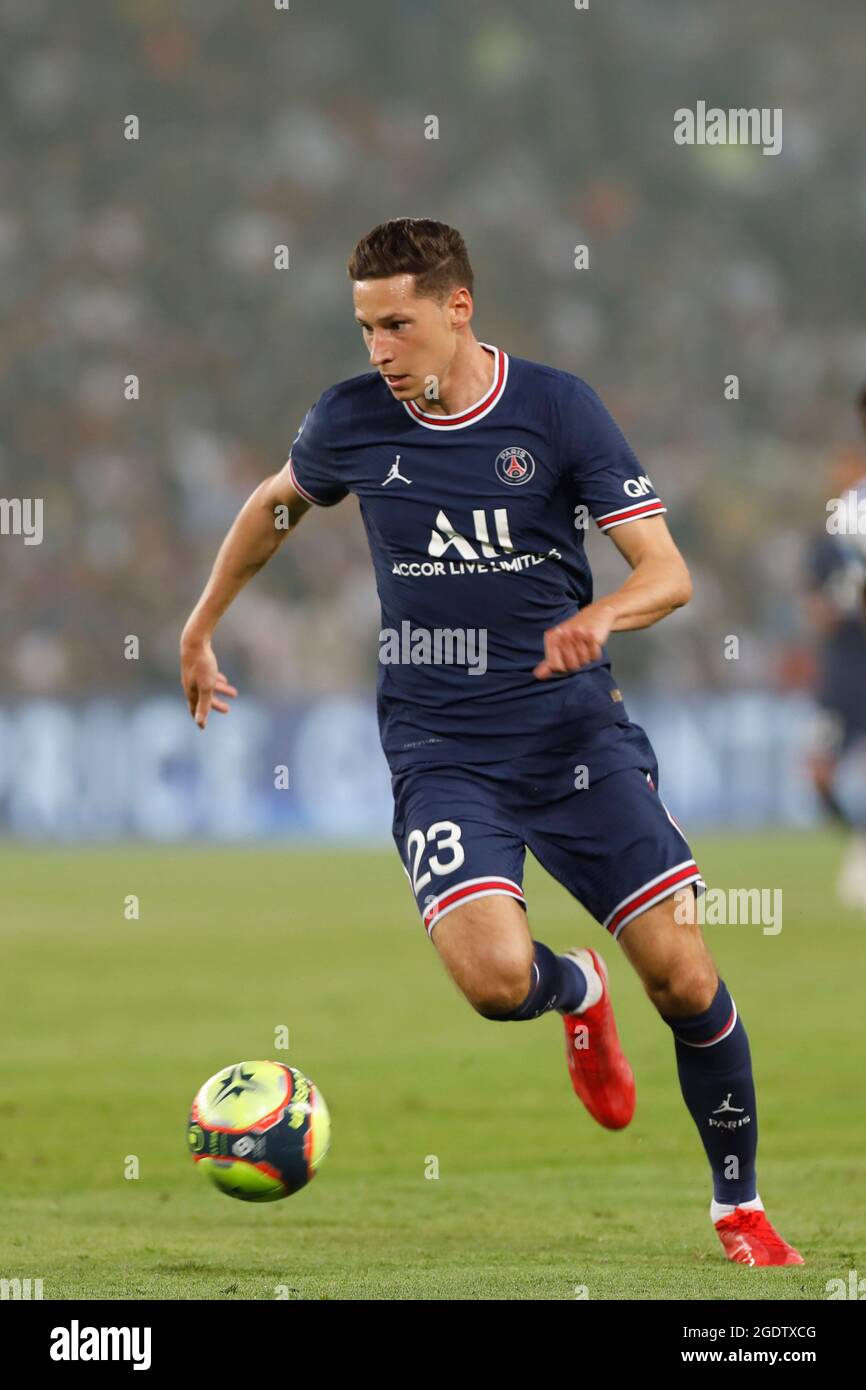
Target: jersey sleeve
x,y
599,462
311,465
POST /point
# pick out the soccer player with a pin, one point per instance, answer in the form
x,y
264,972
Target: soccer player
x,y
836,605
477,473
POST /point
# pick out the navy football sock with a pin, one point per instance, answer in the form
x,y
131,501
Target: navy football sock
x,y
715,1071
557,983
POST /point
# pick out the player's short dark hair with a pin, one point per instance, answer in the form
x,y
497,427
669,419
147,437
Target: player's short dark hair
x,y
431,251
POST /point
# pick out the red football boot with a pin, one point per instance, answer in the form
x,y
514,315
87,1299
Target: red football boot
x,y
749,1239
600,1074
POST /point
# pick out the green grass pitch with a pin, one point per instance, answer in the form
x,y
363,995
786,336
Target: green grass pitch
x,y
111,1025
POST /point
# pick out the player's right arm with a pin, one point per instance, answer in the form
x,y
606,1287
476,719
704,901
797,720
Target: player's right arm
x,y
257,532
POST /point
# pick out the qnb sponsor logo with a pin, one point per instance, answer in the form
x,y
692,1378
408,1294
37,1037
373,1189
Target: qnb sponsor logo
x,y
724,907
846,516
637,487
22,516
20,1289
438,646
77,1343
737,126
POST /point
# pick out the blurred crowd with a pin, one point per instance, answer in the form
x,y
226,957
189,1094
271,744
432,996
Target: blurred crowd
x,y
154,257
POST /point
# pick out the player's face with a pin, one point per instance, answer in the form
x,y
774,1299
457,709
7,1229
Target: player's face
x,y
409,338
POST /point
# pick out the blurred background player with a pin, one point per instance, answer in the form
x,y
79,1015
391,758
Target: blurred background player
x,y
836,606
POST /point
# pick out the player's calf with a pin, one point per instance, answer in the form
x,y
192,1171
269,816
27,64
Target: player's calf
x,y
714,1063
672,960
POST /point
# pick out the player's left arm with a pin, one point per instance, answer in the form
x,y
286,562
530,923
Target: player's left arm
x,y
659,583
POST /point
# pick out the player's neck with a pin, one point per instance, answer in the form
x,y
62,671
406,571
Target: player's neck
x,y
469,377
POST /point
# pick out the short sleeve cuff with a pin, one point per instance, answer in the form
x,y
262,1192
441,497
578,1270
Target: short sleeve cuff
x,y
652,507
307,495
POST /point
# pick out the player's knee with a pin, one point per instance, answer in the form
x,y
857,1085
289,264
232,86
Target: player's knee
x,y
502,992
684,990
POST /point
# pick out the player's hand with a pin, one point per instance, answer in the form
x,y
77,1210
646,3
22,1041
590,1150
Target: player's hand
x,y
576,641
202,680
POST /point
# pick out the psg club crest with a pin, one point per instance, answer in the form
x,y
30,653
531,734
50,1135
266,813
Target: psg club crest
x,y
514,466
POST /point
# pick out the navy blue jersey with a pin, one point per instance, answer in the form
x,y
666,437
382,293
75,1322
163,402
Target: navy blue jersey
x,y
476,523
836,569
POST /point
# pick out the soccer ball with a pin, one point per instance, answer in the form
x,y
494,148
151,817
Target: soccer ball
x,y
259,1130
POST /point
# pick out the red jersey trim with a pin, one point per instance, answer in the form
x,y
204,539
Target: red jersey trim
x,y
636,513
473,412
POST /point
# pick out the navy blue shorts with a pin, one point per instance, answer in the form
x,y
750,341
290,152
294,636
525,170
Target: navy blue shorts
x,y
462,833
